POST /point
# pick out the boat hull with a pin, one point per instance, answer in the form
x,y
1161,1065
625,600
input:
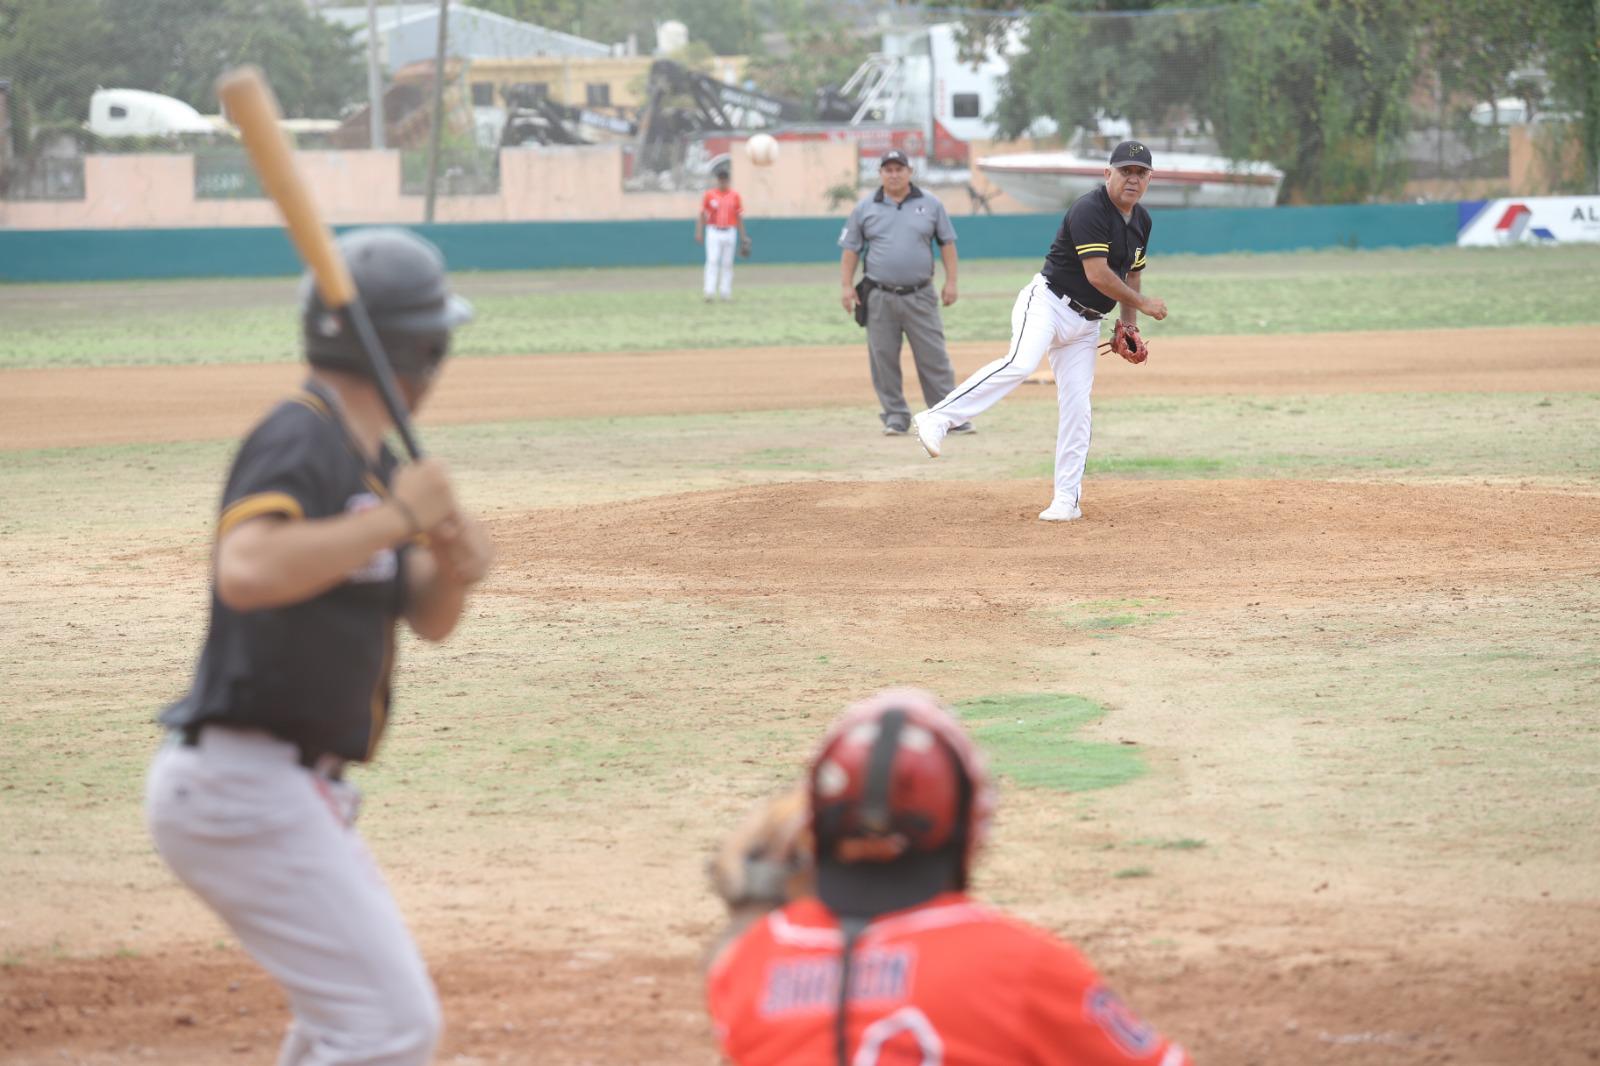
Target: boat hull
x,y
1046,184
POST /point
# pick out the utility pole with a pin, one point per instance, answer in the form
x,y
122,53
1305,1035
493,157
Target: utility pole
x,y
374,77
438,108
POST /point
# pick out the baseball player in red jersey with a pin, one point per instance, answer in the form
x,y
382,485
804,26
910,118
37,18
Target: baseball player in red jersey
x,y
892,962
720,225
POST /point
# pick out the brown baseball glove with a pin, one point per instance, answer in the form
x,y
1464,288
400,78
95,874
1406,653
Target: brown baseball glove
x,y
769,860
1126,342
746,246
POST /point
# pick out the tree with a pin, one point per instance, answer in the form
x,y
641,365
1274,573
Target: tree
x,y
1321,90
728,26
48,50
59,51
1568,32
179,47
821,53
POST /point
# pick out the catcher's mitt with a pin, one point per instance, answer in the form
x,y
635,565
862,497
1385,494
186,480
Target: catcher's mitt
x,y
769,860
745,247
1126,342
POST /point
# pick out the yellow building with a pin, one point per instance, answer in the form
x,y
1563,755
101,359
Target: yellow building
x,y
606,83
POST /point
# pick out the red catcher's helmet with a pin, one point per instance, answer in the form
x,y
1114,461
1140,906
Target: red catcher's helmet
x,y
900,802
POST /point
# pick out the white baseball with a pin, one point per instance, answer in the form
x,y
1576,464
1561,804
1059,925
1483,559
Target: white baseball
x,y
762,149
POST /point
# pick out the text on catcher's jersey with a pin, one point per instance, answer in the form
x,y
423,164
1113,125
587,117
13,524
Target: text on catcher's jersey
x,y
949,982
1093,228
314,673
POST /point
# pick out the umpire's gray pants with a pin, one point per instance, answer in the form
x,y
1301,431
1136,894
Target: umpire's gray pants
x,y
916,316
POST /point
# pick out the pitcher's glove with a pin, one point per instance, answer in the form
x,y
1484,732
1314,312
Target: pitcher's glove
x,y
769,860
745,247
1126,342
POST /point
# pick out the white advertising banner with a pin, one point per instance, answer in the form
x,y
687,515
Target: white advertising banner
x,y
1529,220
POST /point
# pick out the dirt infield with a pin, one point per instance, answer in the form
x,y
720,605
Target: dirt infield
x,y
1297,879
64,408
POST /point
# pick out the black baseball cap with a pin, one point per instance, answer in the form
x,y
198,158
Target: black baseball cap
x,y
722,170
893,155
1131,154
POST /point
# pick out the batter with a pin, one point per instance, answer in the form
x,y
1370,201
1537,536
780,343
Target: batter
x,y
320,550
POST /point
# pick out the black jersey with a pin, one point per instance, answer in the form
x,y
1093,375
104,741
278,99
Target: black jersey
x,y
1093,228
314,673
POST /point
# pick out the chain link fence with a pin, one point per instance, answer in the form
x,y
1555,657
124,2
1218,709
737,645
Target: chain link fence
x,y
1351,100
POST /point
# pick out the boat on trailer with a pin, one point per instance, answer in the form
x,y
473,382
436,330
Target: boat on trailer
x,y
1051,181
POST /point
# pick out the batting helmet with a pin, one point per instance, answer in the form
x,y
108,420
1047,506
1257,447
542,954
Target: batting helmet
x,y
402,284
900,803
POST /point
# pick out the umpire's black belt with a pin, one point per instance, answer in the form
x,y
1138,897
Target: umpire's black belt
x,y
903,290
1087,312
330,766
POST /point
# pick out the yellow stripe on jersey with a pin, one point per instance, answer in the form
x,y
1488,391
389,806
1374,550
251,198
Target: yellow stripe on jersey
x,y
313,401
262,503
1137,263
1093,248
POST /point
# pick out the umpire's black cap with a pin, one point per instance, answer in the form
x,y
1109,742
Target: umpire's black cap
x,y
1131,154
893,155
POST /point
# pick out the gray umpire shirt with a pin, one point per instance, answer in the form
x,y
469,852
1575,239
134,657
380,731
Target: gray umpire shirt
x,y
898,236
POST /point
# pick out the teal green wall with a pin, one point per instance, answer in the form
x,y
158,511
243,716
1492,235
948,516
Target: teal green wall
x,y
97,255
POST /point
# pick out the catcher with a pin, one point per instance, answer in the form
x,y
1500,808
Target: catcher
x,y
891,961
1094,264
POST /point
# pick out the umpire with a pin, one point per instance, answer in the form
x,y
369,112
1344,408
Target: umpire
x,y
898,226
324,541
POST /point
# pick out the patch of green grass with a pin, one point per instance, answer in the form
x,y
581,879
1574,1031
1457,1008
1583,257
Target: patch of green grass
x,y
783,459
1136,466
1030,740
1132,872
531,312
1162,465
1099,615
1175,844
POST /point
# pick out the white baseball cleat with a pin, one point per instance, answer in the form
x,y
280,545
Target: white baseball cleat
x,y
1060,512
930,431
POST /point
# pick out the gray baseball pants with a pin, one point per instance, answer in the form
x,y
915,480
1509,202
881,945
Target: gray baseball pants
x,y
916,317
269,846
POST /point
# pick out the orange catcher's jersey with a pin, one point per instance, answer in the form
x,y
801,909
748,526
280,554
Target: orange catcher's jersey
x,y
720,208
948,983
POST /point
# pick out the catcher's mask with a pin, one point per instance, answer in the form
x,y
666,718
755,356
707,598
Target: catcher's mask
x,y
402,284
900,802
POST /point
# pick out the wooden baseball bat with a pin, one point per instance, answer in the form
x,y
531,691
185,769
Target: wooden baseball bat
x,y
251,105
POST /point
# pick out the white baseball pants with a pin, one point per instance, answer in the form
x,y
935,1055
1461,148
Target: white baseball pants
x,y
721,242
1041,324
269,846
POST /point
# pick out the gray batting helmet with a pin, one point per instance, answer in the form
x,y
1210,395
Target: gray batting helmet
x,y
402,284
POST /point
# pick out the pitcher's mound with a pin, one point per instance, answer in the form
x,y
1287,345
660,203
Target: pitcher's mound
x,y
1191,539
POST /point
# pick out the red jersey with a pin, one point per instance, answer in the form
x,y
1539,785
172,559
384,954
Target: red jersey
x,y
947,983
718,208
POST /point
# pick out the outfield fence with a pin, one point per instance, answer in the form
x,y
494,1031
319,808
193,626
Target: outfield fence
x,y
258,251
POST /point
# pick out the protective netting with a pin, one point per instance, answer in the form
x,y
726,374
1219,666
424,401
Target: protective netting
x,y
1353,100
1349,100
